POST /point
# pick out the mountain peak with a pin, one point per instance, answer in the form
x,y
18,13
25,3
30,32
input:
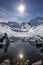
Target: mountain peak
x,y
36,21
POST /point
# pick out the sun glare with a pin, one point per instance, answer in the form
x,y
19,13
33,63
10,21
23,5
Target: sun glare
x,y
21,56
21,8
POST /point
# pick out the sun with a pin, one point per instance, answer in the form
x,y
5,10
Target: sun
x,y
21,8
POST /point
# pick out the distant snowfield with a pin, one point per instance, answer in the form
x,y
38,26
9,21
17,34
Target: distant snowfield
x,y
29,31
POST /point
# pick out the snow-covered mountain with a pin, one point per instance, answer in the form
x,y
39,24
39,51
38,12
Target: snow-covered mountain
x,y
30,29
16,26
11,24
35,22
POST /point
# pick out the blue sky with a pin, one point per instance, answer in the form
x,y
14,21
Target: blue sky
x,y
9,12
